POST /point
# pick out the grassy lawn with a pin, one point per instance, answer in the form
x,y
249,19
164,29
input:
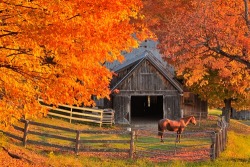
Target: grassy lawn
x,y
236,154
246,122
218,112
215,112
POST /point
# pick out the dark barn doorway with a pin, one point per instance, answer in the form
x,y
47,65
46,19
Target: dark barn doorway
x,y
146,108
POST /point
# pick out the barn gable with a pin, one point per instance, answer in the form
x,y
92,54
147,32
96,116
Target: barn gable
x,y
146,75
148,89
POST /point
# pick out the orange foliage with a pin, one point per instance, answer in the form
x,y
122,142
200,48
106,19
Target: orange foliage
x,y
208,42
56,50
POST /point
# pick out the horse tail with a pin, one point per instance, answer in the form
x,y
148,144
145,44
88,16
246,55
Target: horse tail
x,y
160,130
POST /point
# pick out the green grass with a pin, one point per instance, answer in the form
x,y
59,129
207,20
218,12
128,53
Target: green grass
x,y
246,122
236,154
215,112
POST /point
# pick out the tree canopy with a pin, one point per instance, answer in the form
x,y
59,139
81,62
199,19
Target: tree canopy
x,y
209,44
56,50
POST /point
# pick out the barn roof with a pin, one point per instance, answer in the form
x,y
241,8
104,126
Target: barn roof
x,y
136,58
138,54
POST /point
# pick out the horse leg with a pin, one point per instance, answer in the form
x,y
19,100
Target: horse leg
x,y
177,137
161,138
160,132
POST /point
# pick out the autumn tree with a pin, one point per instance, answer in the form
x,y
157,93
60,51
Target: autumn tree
x,y
208,42
56,50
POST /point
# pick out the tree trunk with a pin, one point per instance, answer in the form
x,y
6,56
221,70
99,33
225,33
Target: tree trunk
x,y
227,110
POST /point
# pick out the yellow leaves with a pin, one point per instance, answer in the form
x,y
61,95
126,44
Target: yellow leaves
x,y
196,76
56,51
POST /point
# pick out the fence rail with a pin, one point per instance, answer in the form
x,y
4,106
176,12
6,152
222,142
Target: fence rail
x,y
200,145
73,141
193,145
83,114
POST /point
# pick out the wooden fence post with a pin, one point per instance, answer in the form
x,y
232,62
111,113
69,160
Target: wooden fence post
x,y
101,119
212,148
71,110
225,137
217,145
221,140
221,137
136,134
131,151
25,132
77,142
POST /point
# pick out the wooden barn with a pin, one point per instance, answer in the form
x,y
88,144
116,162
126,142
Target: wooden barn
x,y
148,89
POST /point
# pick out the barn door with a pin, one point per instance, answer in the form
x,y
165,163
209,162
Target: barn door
x,y
171,107
121,106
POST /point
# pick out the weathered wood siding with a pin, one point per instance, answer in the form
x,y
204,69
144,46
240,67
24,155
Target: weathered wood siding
x,y
122,109
193,105
143,81
146,78
171,106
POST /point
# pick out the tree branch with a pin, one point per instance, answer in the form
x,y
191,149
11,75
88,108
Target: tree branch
x,y
19,51
74,16
231,57
20,5
10,33
246,15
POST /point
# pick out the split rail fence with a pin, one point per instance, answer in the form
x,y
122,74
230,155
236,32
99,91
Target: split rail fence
x,y
202,145
82,114
193,146
71,140
220,139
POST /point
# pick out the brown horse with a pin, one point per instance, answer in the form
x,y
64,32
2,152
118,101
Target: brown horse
x,y
176,126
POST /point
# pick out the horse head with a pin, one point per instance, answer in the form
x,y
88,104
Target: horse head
x,y
192,120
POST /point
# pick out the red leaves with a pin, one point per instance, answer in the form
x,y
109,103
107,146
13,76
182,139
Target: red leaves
x,y
208,43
